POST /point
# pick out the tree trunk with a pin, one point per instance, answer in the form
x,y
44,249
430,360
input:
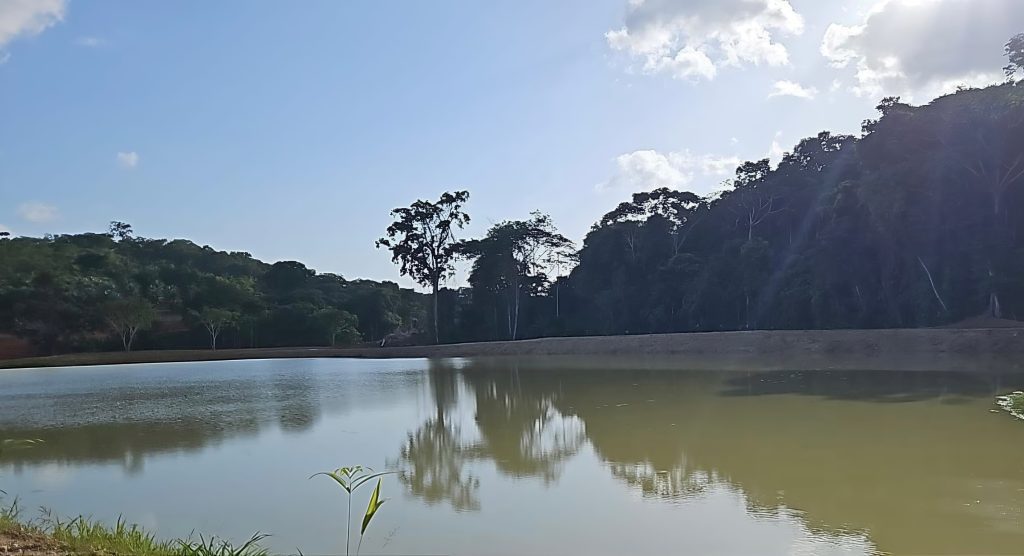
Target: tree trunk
x,y
747,311
557,314
995,310
437,335
932,282
515,321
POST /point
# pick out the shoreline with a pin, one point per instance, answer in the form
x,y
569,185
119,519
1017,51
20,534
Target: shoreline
x,y
904,349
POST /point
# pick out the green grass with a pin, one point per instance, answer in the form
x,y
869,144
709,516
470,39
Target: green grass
x,y
84,536
9,518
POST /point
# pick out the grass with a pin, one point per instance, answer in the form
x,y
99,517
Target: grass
x,y
84,536
1013,403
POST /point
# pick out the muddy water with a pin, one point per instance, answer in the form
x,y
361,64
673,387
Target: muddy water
x,y
563,456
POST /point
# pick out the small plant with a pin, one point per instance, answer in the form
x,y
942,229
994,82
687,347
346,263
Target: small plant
x,y
213,547
1012,403
9,517
350,479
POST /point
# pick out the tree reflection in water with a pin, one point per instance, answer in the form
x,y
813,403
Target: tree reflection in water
x,y
676,483
519,430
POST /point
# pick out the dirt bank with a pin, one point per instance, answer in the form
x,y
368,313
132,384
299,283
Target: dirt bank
x,y
918,349
22,542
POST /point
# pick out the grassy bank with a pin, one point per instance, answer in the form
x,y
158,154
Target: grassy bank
x,y
906,349
50,536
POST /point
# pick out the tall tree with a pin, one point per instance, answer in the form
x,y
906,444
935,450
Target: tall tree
x,y
128,316
121,231
214,320
514,259
422,241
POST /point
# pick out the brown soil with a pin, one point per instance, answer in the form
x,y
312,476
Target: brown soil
x,y
25,543
907,349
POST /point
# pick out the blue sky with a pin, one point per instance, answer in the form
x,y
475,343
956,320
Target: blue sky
x,y
290,129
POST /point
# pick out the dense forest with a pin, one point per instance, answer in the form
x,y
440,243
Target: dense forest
x,y
116,291
916,222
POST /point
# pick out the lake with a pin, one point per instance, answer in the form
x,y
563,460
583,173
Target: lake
x,y
557,456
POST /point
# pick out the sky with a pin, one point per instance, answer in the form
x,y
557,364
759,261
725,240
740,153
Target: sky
x,y
290,129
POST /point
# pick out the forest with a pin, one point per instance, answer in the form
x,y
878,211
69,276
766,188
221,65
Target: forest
x,y
109,291
916,222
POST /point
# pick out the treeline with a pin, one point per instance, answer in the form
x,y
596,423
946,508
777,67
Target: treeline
x,y
97,291
917,222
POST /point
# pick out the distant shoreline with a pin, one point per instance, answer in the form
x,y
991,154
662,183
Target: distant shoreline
x,y
940,349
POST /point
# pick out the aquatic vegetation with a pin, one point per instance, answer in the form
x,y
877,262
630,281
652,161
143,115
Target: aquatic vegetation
x,y
1012,403
350,479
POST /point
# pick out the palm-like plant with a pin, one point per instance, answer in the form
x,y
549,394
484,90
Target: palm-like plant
x,y
350,479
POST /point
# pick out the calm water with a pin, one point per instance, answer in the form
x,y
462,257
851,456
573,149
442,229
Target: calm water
x,y
500,457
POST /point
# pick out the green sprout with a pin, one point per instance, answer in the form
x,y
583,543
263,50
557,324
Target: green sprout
x,y
350,479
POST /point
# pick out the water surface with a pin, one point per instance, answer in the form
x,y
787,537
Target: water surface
x,y
563,456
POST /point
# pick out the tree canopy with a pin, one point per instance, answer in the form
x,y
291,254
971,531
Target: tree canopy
x,y
101,291
422,241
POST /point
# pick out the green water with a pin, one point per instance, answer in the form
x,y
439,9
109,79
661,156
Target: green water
x,y
564,456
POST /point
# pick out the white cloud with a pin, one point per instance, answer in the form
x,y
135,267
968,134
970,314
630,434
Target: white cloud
x,y
923,48
691,39
649,169
128,159
792,89
38,213
90,42
776,151
25,18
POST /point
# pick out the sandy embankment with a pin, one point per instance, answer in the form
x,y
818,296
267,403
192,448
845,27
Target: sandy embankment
x,y
917,349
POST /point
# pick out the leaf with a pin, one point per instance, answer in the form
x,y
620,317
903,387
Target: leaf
x,y
371,509
337,478
360,480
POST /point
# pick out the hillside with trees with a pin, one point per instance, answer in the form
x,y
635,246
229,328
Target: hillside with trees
x,y
916,222
109,291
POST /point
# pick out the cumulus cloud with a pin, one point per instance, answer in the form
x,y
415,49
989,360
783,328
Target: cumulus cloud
x,y
25,18
38,213
128,159
692,39
649,169
921,48
792,89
